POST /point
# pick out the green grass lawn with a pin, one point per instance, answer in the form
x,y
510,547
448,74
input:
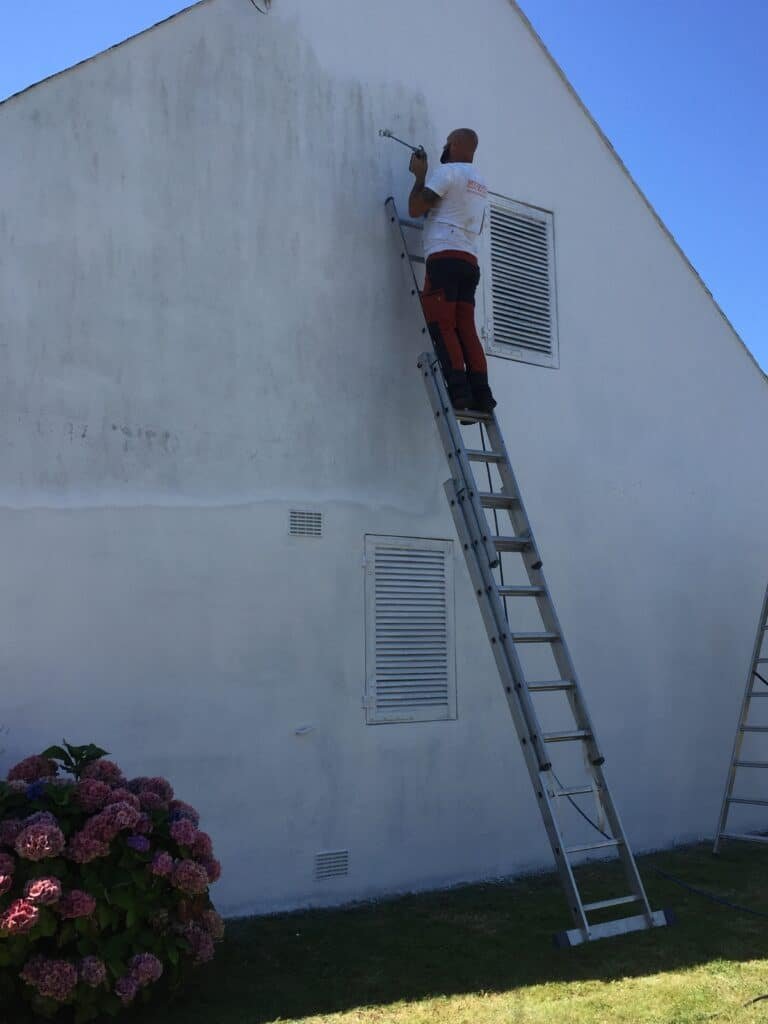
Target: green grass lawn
x,y
484,954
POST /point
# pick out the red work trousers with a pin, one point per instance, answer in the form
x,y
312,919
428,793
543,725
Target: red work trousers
x,y
449,307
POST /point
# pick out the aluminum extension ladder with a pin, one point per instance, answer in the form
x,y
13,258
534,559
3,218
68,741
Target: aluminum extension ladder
x,y
483,551
758,674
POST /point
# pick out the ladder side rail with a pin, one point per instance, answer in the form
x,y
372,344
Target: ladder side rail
x,y
534,567
744,712
510,673
566,668
405,254
455,450
500,636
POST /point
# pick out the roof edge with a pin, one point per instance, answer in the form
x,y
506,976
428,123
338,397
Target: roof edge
x,y
529,25
101,53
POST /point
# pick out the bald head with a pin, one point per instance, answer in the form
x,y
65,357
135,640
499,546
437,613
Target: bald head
x,y
460,147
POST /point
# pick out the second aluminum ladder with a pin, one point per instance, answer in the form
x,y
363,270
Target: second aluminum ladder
x,y
755,690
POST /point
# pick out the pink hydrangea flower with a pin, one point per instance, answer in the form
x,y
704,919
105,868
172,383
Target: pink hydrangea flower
x,y
7,864
53,979
161,787
213,868
83,848
202,847
93,971
124,795
190,877
18,786
20,917
6,881
115,818
179,809
31,970
144,825
76,903
162,864
32,768
43,891
183,832
126,989
213,924
104,771
200,943
149,801
9,831
145,968
92,794
39,841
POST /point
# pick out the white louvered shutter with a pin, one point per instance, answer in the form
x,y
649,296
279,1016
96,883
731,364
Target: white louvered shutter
x,y
410,656
520,287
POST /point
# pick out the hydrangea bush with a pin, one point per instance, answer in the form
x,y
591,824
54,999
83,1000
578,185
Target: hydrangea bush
x,y
103,885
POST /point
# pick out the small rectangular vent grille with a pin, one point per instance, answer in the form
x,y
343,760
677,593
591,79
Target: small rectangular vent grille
x,y
305,524
332,864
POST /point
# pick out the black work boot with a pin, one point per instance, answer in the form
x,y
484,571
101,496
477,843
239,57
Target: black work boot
x,y
482,396
458,389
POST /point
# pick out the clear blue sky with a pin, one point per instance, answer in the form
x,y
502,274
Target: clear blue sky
x,y
679,86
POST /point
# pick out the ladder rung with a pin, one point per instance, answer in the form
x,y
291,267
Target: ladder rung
x,y
511,543
757,694
746,800
521,591
535,638
746,836
474,415
621,926
618,902
415,259
575,791
594,846
754,728
762,661
496,500
477,455
418,225
556,684
566,736
750,764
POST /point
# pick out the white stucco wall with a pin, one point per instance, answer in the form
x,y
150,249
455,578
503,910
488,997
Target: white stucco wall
x,y
203,323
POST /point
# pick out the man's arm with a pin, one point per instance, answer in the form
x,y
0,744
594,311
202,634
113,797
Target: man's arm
x,y
421,199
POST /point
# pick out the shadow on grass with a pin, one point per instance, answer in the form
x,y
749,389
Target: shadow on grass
x,y
491,938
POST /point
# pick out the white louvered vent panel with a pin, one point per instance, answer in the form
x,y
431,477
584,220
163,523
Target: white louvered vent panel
x,y
305,524
333,864
411,655
521,295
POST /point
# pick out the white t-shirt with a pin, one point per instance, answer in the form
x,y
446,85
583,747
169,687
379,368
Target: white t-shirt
x,y
457,221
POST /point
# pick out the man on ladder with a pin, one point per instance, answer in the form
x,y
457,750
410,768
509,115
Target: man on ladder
x,y
454,199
